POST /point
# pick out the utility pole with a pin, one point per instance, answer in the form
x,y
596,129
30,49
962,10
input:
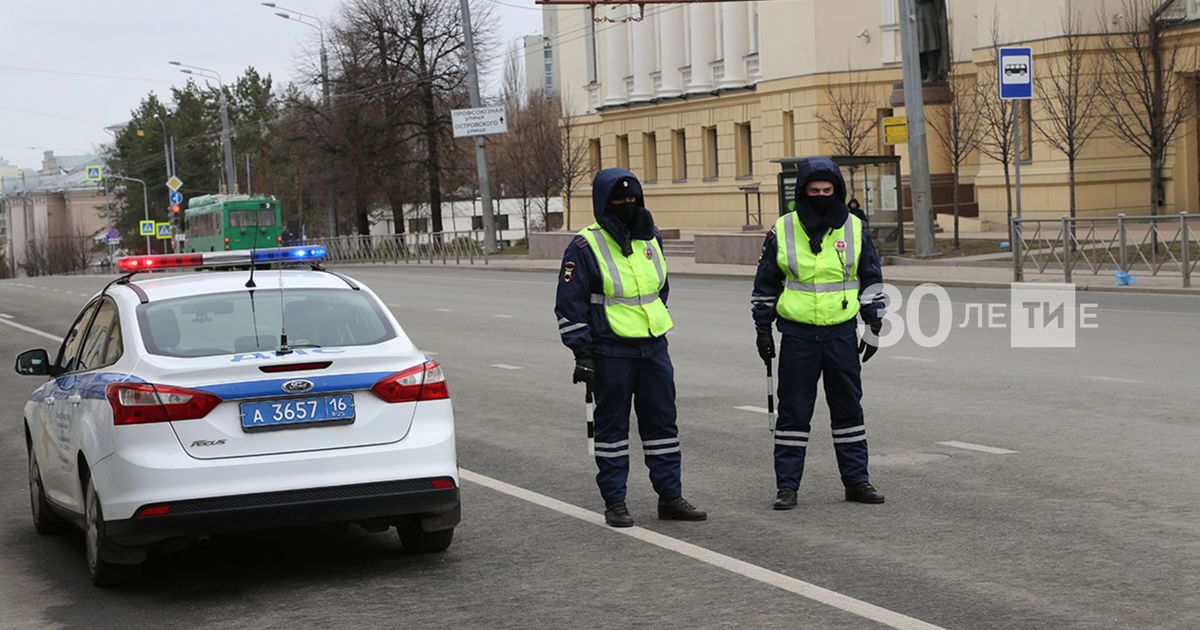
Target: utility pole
x,y
918,144
226,141
481,164
248,191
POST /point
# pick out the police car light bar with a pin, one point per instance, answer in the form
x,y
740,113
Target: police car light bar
x,y
304,253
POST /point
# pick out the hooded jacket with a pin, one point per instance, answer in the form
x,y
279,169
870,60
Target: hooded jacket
x,y
769,279
581,324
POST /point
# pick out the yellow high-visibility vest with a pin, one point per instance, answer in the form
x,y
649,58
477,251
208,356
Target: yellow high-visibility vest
x,y
631,285
820,289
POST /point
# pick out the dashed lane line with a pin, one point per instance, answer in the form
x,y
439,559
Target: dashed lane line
x,y
754,572
502,316
753,409
916,359
6,316
1113,379
444,310
978,447
32,331
505,366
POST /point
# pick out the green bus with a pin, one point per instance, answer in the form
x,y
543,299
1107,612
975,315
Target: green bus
x,y
216,223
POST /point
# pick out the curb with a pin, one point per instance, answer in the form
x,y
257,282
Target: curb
x,y
901,282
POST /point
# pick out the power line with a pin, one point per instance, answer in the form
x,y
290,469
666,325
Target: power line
x,y
84,74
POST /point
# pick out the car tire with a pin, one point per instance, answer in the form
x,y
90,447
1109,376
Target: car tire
x,y
103,572
45,521
417,540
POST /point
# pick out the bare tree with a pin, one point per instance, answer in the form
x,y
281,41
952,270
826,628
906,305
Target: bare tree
x,y
957,126
1068,90
1150,96
996,121
849,120
574,155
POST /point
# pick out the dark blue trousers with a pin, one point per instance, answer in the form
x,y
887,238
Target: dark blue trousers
x,y
648,385
802,362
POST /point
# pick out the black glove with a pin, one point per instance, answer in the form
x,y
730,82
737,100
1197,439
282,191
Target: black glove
x,y
585,367
870,343
766,344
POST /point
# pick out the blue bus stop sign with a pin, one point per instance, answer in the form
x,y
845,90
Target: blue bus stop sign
x,y
1016,73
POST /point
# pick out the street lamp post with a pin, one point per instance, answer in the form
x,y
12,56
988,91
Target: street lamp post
x,y
226,142
316,23
145,202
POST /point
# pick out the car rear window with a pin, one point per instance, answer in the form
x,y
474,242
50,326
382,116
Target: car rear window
x,y
237,322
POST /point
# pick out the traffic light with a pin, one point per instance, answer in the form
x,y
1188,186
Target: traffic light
x,y
176,219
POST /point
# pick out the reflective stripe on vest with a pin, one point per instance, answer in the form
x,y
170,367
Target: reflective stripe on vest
x,y
631,285
816,291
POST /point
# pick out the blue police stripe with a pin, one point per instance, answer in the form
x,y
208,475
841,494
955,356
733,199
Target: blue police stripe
x,y
274,387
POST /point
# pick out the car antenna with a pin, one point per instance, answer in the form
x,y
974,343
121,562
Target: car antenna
x,y
250,285
283,340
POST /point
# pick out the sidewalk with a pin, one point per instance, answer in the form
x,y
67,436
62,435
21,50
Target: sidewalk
x,y
902,275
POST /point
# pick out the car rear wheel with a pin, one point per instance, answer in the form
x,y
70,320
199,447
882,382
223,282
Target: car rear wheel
x,y
417,540
45,521
103,572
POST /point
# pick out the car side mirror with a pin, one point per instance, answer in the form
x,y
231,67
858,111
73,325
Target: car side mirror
x,y
34,363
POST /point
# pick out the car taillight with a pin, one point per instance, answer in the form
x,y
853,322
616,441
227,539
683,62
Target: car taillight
x,y
422,382
140,403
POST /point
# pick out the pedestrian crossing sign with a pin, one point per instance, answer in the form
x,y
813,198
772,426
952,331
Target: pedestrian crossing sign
x,y
145,228
164,231
95,173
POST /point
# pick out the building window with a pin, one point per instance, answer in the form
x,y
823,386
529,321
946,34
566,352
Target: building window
x,y
744,149
501,222
650,157
1026,131
711,171
623,151
594,154
789,134
679,155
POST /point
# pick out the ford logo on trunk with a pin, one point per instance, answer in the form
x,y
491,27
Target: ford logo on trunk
x,y
297,386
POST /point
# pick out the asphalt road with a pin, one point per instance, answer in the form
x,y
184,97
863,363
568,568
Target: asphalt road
x,y
1090,520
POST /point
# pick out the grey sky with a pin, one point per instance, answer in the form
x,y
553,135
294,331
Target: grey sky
x,y
133,40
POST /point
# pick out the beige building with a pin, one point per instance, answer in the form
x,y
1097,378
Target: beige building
x,y
53,209
700,99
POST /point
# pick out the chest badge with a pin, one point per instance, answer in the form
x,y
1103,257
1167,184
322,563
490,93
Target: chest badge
x,y
840,245
649,252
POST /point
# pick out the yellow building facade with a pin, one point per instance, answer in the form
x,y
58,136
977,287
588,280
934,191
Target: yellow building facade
x,y
700,99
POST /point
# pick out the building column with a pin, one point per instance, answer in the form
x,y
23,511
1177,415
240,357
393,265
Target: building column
x,y
735,38
616,56
703,29
643,55
670,30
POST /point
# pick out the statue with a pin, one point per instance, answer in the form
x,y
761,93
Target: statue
x,y
933,40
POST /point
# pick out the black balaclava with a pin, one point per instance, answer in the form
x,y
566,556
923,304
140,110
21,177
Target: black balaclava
x,y
824,215
622,212
624,189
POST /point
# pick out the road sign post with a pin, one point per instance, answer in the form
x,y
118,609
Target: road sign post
x,y
1015,79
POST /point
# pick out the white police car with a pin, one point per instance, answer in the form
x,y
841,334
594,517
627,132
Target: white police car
x,y
185,405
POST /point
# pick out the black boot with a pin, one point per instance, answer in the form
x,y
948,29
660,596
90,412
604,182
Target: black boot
x,y
863,493
617,515
678,509
785,499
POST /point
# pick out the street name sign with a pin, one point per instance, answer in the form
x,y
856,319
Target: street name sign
x,y
478,121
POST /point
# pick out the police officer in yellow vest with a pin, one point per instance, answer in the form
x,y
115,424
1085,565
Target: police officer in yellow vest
x,y
612,313
816,264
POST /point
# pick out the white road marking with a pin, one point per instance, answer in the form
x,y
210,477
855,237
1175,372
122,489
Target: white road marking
x,y
444,310
502,316
396,305
1136,312
978,447
6,316
27,329
917,359
753,409
505,366
1112,379
804,589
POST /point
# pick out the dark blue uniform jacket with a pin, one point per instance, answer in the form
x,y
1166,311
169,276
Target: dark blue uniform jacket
x,y
582,324
768,282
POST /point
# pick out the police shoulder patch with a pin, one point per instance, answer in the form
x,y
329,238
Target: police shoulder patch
x,y
568,271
